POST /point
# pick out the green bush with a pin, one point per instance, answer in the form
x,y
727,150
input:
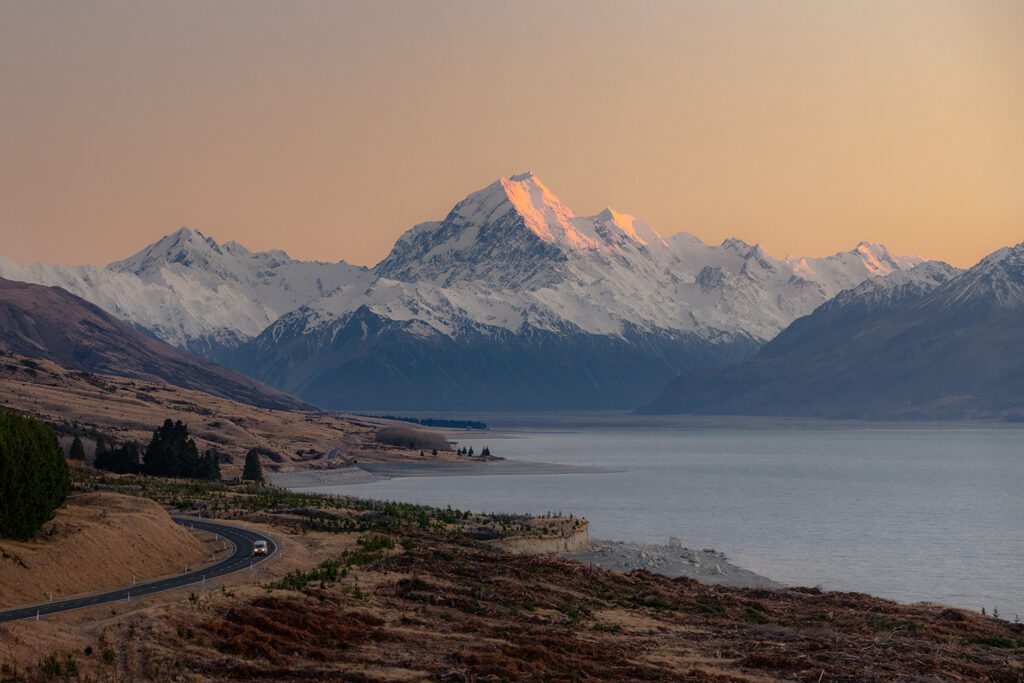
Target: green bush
x,y
34,478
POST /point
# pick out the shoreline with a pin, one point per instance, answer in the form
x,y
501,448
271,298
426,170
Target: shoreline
x,y
673,560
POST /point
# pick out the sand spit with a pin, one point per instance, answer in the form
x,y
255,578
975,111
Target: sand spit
x,y
310,479
470,469
370,472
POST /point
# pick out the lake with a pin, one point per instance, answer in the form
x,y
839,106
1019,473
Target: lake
x,y
905,511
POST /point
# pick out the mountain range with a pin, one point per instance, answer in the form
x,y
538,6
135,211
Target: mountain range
x,y
933,342
512,301
193,293
50,323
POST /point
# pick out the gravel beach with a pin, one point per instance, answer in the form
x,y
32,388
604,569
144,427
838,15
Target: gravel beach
x,y
708,566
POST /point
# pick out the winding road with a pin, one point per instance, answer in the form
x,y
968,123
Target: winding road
x,y
242,558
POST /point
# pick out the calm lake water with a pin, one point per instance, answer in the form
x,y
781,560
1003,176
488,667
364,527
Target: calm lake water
x,y
907,512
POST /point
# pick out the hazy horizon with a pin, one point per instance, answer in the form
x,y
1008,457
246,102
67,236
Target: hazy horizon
x,y
327,129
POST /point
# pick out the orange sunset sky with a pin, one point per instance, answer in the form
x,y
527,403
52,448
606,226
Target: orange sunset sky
x,y
328,128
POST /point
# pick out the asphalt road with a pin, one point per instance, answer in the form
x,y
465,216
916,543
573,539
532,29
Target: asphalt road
x,y
242,558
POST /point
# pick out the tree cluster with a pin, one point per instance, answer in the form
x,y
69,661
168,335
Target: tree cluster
x,y
34,477
464,451
172,453
436,422
123,459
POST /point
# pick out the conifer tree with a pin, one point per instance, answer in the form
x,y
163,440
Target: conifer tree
x,y
210,466
253,470
77,451
34,478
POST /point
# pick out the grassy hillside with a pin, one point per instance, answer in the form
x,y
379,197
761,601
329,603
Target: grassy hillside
x,y
123,409
74,553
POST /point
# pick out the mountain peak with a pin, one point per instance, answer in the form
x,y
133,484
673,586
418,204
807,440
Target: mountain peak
x,y
998,279
631,227
186,246
735,244
548,218
879,261
545,214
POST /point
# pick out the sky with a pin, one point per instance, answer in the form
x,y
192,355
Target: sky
x,y
327,129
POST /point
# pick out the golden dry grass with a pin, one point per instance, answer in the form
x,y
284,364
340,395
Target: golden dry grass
x,y
99,542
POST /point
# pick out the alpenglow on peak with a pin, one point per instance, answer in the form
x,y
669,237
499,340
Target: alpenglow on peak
x,y
546,216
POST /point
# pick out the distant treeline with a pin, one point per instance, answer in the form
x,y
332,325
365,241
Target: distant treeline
x,y
436,422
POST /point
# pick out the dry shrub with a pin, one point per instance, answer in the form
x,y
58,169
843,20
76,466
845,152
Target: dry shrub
x,y
405,437
273,629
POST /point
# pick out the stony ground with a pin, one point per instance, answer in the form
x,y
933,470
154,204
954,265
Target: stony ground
x,y
706,565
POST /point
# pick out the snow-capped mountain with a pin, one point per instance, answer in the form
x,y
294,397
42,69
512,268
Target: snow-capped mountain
x,y
891,290
193,293
997,281
513,300
932,342
512,255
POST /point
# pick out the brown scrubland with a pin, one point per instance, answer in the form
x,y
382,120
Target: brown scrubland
x,y
365,591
